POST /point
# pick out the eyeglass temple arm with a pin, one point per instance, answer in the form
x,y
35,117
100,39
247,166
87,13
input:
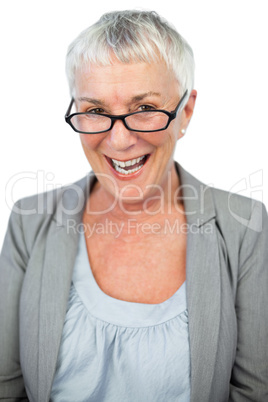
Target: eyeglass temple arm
x,y
69,108
180,102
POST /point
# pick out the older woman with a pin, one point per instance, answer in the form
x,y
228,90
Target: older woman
x,y
137,283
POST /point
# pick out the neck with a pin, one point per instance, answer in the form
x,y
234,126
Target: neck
x,y
160,201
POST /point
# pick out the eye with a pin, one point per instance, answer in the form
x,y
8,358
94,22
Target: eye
x,y
145,108
97,110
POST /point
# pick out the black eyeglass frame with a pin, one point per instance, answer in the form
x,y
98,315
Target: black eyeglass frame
x,y
171,116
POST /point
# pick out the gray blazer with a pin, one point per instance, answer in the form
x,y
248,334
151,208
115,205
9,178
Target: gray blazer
x,y
227,283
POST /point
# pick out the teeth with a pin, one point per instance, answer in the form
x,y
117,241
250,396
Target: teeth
x,y
130,162
126,172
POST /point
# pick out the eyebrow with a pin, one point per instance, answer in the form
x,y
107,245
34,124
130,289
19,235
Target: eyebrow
x,y
136,98
140,97
97,102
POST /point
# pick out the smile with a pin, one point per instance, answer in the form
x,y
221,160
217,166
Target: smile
x,y
129,166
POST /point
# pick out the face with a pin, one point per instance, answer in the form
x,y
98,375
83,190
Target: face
x,y
125,88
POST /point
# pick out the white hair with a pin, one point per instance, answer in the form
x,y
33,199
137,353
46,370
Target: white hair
x,y
132,36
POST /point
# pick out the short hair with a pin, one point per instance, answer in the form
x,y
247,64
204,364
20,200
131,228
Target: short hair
x,y
132,36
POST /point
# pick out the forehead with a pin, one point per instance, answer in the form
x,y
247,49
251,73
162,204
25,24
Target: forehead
x,y
125,80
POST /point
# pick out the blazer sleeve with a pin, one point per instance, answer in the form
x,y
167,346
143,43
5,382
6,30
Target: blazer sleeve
x,y
249,381
13,262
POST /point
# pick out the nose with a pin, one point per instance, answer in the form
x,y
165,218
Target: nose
x,y
120,138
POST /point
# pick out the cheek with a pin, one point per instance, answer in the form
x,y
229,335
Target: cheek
x,y
90,142
158,139
164,139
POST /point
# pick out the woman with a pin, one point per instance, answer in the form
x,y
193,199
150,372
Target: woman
x,y
137,282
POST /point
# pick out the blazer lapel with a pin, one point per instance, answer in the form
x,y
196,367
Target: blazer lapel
x,y
61,249
203,284
204,293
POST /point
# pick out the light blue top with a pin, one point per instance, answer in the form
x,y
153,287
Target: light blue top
x,y
114,351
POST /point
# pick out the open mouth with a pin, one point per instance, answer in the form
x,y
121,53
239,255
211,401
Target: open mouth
x,y
130,166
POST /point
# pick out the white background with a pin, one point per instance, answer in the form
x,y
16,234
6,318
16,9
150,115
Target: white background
x,y
226,141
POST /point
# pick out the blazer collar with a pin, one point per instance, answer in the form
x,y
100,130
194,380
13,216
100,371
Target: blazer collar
x,y
197,198
202,273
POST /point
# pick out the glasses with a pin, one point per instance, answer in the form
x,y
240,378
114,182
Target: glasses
x,y
144,121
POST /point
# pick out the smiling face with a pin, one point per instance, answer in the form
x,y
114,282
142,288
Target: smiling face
x,y
128,161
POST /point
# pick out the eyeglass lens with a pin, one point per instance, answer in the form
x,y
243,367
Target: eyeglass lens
x,y
146,121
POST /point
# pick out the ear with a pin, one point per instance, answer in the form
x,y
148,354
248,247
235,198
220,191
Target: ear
x,y
187,113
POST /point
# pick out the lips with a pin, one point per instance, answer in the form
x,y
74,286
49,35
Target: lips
x,y
129,166
128,163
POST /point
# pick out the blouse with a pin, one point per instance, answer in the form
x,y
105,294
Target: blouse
x,y
114,350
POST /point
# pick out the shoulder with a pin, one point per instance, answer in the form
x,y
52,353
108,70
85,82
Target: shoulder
x,y
236,212
235,216
33,216
47,202
227,207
